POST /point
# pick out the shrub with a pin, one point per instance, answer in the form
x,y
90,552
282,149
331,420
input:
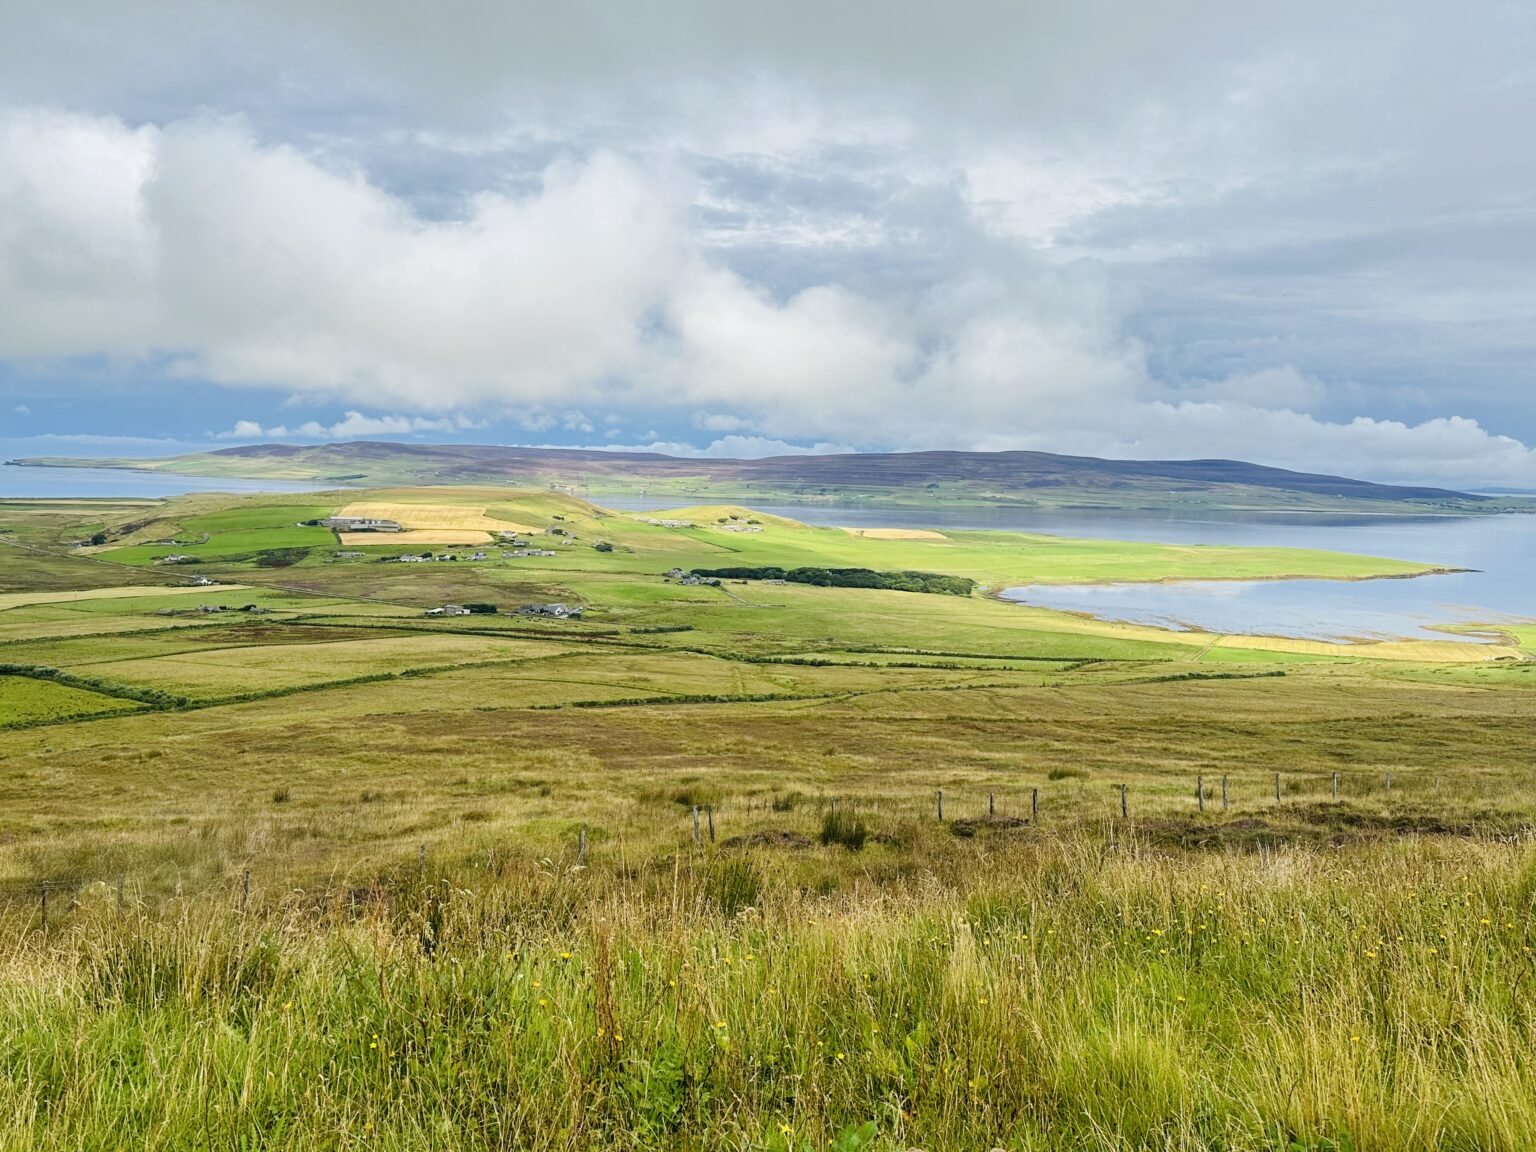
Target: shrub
x,y
282,795
1067,774
844,826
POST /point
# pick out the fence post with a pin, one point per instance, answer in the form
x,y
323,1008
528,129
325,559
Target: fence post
x,y
939,799
697,840
1124,807
991,806
245,890
43,891
581,845
1389,781
1277,787
1034,805
1335,785
421,857
1223,793
1200,790
710,814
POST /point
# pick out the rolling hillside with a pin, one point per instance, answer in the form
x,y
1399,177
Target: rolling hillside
x,y
910,478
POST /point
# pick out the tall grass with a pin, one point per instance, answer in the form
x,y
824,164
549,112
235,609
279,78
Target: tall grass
x,y
1058,994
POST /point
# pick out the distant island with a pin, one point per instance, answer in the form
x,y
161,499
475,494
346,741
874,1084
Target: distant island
x,y
893,479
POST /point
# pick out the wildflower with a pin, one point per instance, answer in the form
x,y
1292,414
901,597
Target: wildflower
x,y
543,1002
785,1128
565,955
839,1056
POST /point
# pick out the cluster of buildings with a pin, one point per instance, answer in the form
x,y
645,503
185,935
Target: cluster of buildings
x,y
561,611
666,523
689,578
360,524
516,552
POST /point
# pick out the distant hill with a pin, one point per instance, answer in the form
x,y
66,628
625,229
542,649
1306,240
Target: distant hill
x,y
910,478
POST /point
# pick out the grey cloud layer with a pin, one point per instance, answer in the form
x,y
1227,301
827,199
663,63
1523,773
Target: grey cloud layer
x,y
1297,233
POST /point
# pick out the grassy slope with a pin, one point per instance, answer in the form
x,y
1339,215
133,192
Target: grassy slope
x,y
1090,983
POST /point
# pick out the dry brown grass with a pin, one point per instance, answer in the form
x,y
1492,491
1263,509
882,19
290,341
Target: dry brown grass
x,y
896,533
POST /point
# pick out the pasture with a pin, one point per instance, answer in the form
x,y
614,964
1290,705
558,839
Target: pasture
x,y
746,867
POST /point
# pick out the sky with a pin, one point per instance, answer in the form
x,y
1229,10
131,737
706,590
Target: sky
x,y
1300,234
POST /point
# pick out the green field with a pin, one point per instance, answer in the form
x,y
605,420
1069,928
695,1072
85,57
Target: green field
x,y
341,875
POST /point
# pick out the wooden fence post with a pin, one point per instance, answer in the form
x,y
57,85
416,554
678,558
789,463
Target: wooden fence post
x,y
43,891
710,814
939,800
697,840
1277,787
581,845
1034,805
991,806
1388,781
1124,807
1223,793
1200,790
245,890
1335,785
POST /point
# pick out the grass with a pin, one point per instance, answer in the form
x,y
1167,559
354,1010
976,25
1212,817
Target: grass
x,y
339,899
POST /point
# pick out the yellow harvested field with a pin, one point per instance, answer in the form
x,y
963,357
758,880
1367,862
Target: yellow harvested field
x,y
20,599
895,533
432,517
420,536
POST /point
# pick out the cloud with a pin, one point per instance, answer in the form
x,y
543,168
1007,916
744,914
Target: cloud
x,y
354,425
1295,234
22,410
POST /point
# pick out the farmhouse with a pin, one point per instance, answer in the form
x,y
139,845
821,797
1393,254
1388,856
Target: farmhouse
x,y
449,610
562,611
528,552
360,524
